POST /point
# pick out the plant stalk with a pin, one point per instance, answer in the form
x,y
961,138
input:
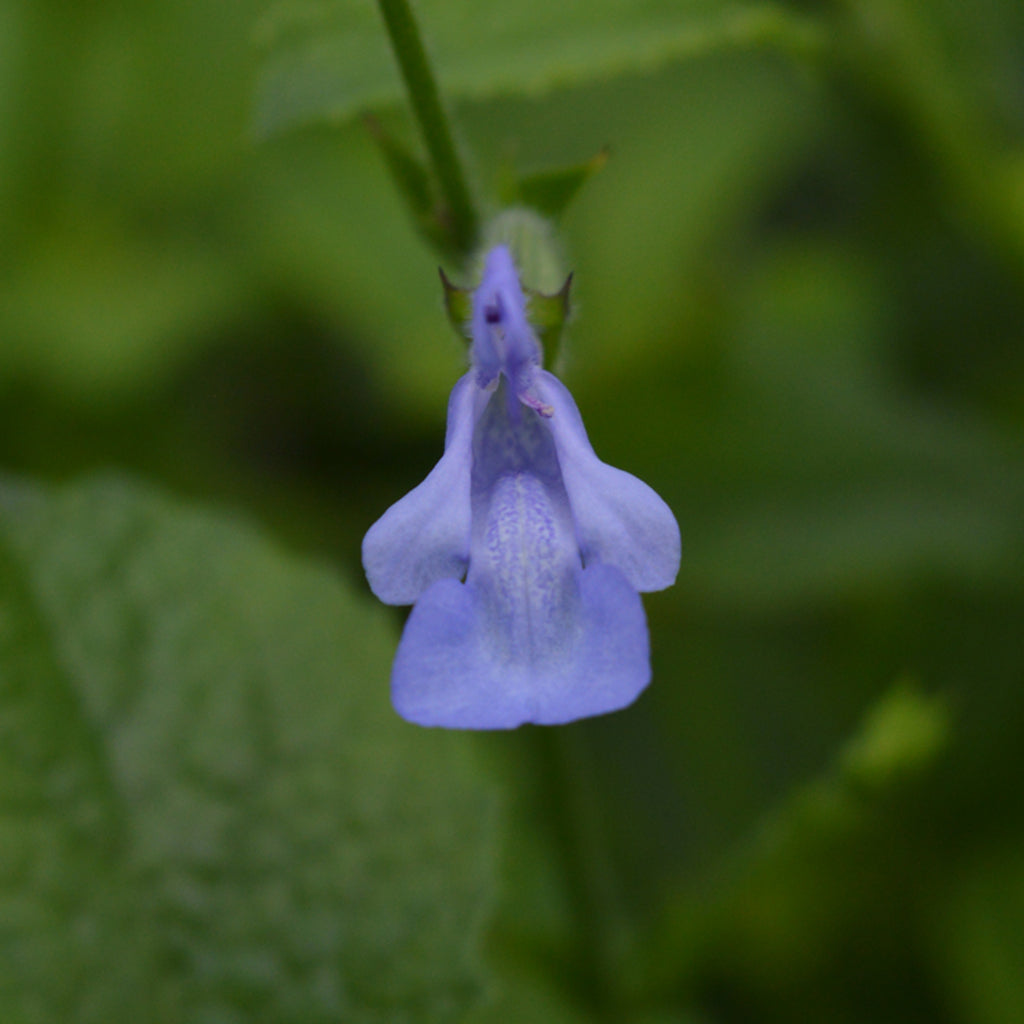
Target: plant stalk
x,y
459,213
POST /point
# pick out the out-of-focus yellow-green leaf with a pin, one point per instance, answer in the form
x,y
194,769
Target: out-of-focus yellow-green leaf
x,y
977,938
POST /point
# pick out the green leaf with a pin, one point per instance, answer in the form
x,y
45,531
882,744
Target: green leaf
x,y
549,314
97,312
208,810
458,304
331,60
551,191
414,184
775,915
979,936
903,733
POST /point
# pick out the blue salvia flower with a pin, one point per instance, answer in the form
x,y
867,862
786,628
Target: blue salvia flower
x,y
522,552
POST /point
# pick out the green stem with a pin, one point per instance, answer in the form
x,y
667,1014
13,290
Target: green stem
x,y
580,835
407,43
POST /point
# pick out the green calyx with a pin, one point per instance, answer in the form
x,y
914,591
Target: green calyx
x,y
539,261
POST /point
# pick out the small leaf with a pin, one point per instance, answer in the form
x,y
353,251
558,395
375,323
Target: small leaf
x,y
776,912
416,187
901,738
979,933
458,304
549,314
550,192
208,810
902,735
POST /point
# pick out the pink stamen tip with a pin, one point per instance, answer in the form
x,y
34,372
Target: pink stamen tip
x,y
539,407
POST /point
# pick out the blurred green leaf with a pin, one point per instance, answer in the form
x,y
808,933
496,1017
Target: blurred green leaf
x,y
979,934
522,999
774,918
208,810
903,734
931,67
96,311
901,738
549,315
117,263
551,191
329,60
415,185
458,304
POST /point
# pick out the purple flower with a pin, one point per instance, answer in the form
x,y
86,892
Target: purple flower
x,y
522,552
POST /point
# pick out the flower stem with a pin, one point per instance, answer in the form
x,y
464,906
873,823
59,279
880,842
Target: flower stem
x,y
459,213
578,829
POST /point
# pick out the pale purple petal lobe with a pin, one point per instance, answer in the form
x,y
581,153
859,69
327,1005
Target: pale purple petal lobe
x,y
619,519
448,673
424,537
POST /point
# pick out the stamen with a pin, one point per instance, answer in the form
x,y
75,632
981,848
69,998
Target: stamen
x,y
533,402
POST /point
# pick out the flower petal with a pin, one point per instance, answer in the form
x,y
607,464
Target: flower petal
x,y
424,537
503,340
619,519
452,668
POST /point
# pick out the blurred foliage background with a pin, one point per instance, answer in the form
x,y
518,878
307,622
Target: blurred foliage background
x,y
799,288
